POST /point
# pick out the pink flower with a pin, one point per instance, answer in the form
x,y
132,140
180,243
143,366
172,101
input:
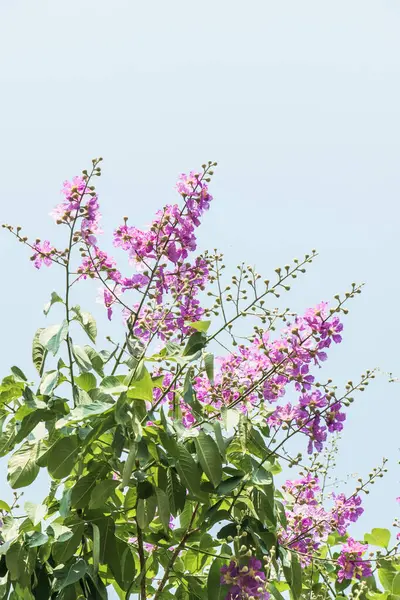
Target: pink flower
x,y
43,254
351,562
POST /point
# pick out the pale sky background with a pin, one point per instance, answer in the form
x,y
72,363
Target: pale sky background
x,y
298,101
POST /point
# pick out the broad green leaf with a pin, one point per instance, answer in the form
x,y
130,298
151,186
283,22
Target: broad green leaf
x,y
39,352
86,381
86,411
15,560
386,578
176,492
87,322
142,389
81,359
52,337
37,539
216,591
102,492
68,574
36,512
378,537
53,300
163,508
396,585
230,417
112,385
228,485
82,490
62,551
188,471
209,457
201,326
22,467
196,342
61,457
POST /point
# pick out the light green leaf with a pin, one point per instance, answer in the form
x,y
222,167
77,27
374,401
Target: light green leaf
x,y
86,411
87,322
396,585
49,382
52,337
15,560
201,326
142,389
4,506
36,512
96,548
230,417
81,359
112,385
53,300
209,457
22,467
129,464
378,537
188,471
386,578
37,539
86,381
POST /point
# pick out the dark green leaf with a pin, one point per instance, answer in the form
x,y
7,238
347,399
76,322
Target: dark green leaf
x,y
69,574
163,508
228,485
82,490
39,352
62,551
209,457
196,342
61,457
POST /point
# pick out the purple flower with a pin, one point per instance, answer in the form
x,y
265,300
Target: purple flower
x,y
351,562
43,253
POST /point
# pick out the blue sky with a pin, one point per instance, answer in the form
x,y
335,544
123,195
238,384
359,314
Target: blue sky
x,y
299,104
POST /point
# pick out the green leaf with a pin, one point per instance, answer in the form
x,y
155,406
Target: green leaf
x,y
86,381
4,506
61,457
81,359
82,490
142,389
52,337
49,382
18,374
62,551
163,508
36,512
146,509
69,574
53,300
209,366
201,326
214,589
378,537
22,467
196,342
96,547
230,417
37,539
129,464
39,352
188,471
386,578
209,457
15,560
176,492
112,385
396,585
87,322
86,411
102,492
228,485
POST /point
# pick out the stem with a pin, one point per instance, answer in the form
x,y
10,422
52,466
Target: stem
x,y
175,554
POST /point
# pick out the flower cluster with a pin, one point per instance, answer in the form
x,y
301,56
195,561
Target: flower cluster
x,y
264,370
43,254
351,561
309,523
247,581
